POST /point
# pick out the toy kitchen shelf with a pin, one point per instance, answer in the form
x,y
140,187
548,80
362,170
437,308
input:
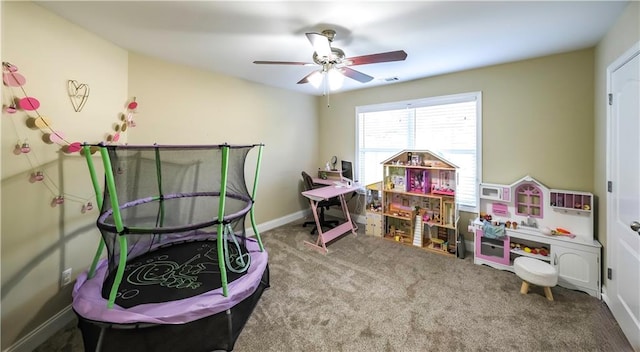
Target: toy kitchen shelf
x,y
576,256
570,201
418,201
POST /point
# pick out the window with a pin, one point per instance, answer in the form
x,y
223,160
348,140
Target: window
x,y
448,125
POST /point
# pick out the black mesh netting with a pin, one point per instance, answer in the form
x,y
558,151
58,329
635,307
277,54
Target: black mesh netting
x,y
168,195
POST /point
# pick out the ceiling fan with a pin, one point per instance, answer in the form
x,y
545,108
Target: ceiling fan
x,y
333,59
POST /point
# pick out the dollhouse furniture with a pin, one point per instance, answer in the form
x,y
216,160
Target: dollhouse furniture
x,y
374,209
536,272
539,219
419,189
316,196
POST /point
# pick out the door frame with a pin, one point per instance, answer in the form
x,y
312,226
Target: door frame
x,y
627,56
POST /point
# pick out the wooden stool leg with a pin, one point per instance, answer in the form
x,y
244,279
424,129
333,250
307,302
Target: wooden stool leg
x,y
524,288
547,292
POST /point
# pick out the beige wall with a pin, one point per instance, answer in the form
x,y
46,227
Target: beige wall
x,y
176,105
38,240
180,105
621,37
537,118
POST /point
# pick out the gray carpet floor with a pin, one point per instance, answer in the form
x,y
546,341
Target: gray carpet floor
x,y
370,294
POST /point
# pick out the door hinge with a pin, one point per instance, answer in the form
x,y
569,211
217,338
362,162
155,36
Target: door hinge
x,y
609,186
609,273
610,99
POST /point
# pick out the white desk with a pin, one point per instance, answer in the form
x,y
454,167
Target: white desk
x,y
319,194
331,182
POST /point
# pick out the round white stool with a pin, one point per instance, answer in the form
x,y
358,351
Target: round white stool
x,y
536,272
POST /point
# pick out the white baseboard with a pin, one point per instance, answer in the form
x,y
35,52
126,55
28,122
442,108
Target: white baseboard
x,y
43,332
604,296
272,224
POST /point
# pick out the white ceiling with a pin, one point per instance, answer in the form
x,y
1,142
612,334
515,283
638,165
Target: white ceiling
x,y
438,36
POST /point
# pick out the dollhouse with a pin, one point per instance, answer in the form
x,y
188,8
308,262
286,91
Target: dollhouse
x,y
528,219
419,200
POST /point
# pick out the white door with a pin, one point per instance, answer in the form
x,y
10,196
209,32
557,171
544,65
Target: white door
x,y
623,213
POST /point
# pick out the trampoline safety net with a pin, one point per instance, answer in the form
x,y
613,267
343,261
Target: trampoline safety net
x,y
172,220
157,196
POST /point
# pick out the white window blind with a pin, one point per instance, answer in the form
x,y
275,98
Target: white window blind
x,y
449,126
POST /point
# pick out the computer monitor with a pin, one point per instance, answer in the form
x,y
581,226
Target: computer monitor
x,y
347,170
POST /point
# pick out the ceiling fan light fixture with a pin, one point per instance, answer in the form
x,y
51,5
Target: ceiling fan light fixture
x,y
336,79
316,78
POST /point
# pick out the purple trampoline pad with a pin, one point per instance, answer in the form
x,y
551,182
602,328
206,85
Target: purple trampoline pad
x,y
89,303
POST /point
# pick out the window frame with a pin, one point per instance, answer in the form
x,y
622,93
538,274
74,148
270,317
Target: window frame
x,y
424,102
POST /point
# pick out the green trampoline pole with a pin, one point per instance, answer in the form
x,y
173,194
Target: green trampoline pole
x,y
223,194
117,218
253,196
96,187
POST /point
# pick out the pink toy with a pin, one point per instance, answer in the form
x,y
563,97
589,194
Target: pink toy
x,y
37,176
57,200
25,148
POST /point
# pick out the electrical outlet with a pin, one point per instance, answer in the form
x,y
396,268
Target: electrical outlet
x,y
65,277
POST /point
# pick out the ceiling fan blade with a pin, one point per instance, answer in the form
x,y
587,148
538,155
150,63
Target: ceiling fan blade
x,y
398,55
320,44
305,79
283,63
357,75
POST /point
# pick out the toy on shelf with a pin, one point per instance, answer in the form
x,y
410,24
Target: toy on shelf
x,y
442,190
516,247
401,210
444,184
418,180
559,231
437,243
398,235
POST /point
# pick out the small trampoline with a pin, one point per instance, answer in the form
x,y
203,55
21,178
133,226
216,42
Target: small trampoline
x,y
180,272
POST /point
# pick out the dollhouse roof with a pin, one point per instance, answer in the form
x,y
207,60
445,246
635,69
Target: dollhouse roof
x,y
425,155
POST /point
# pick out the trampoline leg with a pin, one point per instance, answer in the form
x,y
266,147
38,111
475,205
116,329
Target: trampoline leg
x,y
230,326
100,338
